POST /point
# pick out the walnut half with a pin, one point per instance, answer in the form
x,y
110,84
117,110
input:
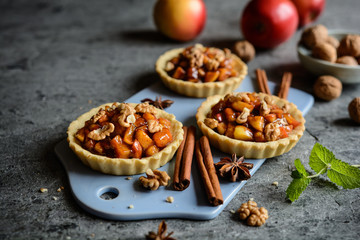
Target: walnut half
x,y
154,179
101,133
253,215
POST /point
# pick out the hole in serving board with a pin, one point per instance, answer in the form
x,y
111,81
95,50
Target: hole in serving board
x,y
108,193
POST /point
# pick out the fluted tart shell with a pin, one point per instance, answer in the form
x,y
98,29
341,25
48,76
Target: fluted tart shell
x,y
251,149
122,166
199,90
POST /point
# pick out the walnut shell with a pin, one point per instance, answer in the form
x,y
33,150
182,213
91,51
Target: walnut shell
x,y
348,60
245,50
354,109
333,41
327,88
314,35
324,51
350,45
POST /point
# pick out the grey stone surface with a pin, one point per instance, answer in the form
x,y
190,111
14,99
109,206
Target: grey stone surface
x,y
60,58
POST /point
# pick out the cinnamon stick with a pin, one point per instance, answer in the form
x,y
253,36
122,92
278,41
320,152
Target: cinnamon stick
x,y
207,171
184,156
262,81
285,85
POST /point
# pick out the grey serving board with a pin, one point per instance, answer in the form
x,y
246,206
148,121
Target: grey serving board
x,y
88,185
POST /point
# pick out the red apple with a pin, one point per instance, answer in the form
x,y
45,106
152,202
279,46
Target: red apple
x,y
268,23
180,20
309,10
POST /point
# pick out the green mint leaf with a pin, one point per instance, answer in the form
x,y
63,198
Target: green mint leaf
x,y
299,183
296,174
296,187
320,157
300,168
344,174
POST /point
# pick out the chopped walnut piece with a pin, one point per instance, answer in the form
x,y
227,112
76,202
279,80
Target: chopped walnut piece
x,y
227,52
101,133
154,126
195,55
98,115
43,190
145,107
126,110
211,123
169,66
219,54
243,97
154,179
230,97
269,100
272,131
264,109
242,118
212,64
253,215
286,108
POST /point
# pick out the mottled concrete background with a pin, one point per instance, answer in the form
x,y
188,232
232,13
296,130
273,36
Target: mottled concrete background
x,y
58,59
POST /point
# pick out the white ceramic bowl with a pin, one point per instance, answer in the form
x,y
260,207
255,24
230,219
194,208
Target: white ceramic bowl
x,y
345,73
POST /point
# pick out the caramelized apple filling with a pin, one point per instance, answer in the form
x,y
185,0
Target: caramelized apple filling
x,y
200,64
123,131
244,116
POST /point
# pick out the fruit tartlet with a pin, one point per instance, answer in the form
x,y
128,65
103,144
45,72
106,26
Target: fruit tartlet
x,y
125,138
254,125
199,71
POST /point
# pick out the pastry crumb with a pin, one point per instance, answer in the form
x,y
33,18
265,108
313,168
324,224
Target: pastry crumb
x,y
54,198
128,178
131,206
251,199
275,183
43,190
232,211
68,237
58,190
170,199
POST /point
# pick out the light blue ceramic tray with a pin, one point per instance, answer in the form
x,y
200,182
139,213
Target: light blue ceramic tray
x,y
88,185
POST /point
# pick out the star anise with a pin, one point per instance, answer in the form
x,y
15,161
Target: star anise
x,y
233,168
158,103
161,234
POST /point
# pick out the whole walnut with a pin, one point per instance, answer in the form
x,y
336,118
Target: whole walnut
x,y
354,109
245,50
314,35
349,45
327,88
324,51
348,60
252,214
333,41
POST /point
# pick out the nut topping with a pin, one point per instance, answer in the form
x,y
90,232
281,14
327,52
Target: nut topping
x,y
211,123
264,109
242,118
272,131
145,107
101,133
154,126
98,115
125,111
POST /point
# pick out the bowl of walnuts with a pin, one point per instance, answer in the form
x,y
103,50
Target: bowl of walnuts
x,y
331,52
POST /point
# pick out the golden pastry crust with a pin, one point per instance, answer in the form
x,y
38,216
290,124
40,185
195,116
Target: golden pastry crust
x,y
247,148
199,90
121,166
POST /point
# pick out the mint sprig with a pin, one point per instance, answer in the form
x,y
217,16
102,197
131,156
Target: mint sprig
x,y
322,161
